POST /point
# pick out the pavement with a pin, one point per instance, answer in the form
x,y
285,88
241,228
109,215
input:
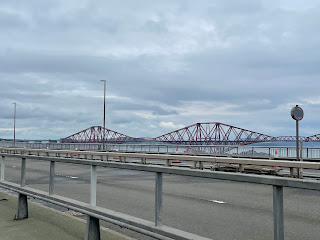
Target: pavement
x,y
44,223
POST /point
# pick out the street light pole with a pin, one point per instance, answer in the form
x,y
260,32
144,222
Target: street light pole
x,y
14,124
104,115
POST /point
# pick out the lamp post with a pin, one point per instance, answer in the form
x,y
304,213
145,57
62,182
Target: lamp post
x,y
104,115
14,124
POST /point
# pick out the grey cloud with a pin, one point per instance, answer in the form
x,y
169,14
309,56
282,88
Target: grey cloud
x,y
155,26
53,63
235,7
156,110
124,118
161,111
11,21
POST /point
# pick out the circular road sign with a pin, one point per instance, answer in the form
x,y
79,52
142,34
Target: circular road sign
x,y
297,113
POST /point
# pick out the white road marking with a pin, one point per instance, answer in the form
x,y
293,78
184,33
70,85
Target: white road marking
x,y
216,201
58,174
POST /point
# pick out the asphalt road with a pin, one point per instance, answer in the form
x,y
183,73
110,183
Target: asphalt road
x,y
210,208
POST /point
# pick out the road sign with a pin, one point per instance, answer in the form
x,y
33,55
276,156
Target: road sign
x,y
297,113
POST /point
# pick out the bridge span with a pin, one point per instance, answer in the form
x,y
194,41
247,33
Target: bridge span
x,y
209,133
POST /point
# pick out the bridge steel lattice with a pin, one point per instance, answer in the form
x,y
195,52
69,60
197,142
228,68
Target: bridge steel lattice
x,y
313,138
94,134
290,139
210,133
213,133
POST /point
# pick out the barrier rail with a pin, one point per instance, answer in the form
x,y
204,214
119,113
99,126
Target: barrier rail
x,y
155,229
198,161
237,150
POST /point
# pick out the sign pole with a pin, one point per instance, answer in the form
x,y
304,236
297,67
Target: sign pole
x,y
297,146
297,115
301,159
297,139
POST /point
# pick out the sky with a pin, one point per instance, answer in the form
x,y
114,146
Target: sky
x,y
167,64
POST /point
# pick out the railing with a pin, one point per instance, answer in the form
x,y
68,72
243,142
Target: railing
x,y
94,213
235,150
197,161
155,229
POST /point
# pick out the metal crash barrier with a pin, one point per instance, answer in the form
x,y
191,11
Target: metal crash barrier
x,y
155,229
288,152
169,159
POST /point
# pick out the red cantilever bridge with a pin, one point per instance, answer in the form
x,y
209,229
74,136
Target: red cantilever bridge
x,y
210,133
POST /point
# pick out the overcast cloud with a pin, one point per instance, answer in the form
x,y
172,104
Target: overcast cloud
x,y
168,64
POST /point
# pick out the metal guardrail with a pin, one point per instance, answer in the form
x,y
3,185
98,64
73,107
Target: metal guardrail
x,y
155,229
198,161
240,150
94,213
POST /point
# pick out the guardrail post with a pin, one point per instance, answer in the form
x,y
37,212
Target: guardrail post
x,y
93,228
201,165
278,213
158,199
269,152
93,225
168,162
51,182
2,167
241,168
300,171
93,186
195,163
23,172
22,211
293,172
